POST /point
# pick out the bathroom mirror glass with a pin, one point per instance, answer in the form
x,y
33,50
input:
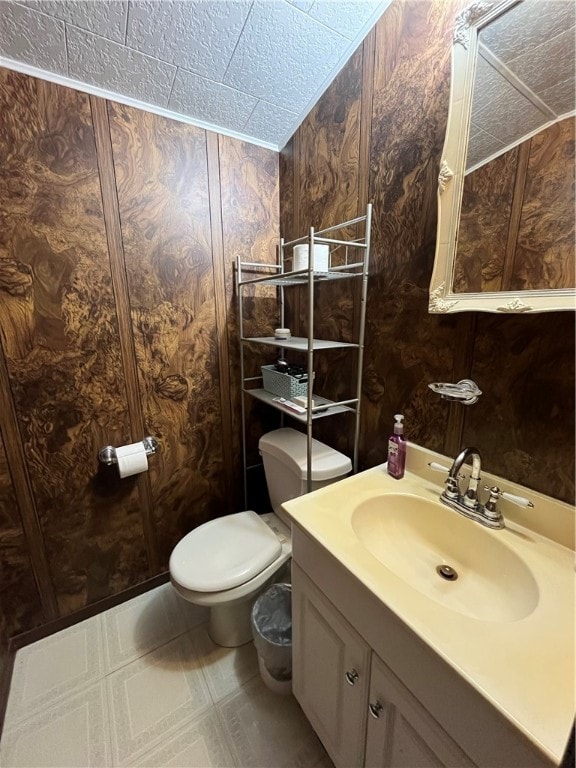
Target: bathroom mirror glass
x,y
505,239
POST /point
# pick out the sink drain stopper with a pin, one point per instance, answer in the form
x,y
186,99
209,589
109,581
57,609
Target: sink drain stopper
x,y
447,572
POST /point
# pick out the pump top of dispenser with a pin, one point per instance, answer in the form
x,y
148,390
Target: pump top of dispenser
x,y
398,424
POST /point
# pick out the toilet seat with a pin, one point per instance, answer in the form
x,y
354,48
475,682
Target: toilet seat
x,y
224,553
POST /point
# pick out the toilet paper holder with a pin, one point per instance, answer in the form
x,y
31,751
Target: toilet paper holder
x,y
107,455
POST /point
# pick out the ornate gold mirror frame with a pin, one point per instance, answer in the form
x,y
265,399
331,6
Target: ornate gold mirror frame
x,y
451,183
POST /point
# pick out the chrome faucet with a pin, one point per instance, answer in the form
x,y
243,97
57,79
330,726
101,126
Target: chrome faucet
x,y
468,503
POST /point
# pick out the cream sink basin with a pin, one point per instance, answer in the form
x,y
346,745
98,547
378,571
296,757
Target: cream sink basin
x,y
505,625
417,539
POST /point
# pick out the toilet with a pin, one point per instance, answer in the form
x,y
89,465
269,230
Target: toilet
x,y
224,563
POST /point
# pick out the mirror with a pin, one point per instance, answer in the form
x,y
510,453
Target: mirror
x,y
505,240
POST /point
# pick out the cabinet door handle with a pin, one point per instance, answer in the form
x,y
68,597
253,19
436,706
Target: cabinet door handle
x,y
375,709
352,676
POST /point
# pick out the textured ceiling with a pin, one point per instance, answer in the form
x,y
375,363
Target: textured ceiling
x,y
249,68
524,76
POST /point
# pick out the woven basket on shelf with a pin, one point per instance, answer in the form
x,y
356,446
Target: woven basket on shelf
x,y
282,384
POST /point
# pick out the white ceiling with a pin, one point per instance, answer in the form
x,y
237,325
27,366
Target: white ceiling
x,y
525,76
247,68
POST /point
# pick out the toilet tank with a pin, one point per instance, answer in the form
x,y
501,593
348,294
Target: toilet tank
x,y
285,465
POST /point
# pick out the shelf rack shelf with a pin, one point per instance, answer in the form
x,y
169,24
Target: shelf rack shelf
x,y
348,260
298,343
322,408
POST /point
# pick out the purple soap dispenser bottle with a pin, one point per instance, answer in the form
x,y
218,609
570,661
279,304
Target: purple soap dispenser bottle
x,y
397,449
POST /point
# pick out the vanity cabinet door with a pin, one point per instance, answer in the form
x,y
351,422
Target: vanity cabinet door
x,y
331,666
400,732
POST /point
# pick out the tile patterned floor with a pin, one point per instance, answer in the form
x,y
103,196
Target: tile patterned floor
x,y
143,685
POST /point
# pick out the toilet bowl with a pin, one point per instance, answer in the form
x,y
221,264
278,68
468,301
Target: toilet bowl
x,y
225,563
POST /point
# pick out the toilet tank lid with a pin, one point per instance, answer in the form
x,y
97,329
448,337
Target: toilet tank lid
x,y
290,447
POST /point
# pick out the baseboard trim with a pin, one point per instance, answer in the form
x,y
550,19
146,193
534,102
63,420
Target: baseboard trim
x,y
38,633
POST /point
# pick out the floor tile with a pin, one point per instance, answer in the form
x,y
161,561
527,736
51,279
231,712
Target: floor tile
x,y
266,729
225,669
194,615
54,667
142,624
144,685
153,697
74,732
199,744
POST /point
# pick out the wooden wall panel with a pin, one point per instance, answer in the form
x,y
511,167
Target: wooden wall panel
x,y
517,221
20,605
116,295
524,427
482,236
411,89
329,193
161,172
286,171
61,340
250,224
120,287
407,348
545,251
530,380
22,489
117,314
221,312
394,94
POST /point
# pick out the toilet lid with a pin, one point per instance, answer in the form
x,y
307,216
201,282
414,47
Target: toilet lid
x,y
224,553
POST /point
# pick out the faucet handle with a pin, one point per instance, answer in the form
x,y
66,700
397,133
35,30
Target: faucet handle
x,y
490,512
522,501
452,489
441,468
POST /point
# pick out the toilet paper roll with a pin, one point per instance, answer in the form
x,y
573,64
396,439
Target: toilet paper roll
x,y
321,257
132,459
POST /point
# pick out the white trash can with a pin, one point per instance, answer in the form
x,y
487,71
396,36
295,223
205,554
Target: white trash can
x,y
271,622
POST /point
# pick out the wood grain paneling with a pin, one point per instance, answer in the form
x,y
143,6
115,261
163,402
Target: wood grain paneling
x,y
220,302
18,516
545,251
330,193
120,287
524,427
250,224
411,90
286,170
162,179
517,218
399,102
116,317
368,73
482,235
406,348
60,338
20,602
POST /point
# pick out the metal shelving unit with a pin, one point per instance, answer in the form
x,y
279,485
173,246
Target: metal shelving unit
x,y
348,260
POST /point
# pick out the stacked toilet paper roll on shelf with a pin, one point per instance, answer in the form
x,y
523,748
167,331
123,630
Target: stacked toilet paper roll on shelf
x,y
132,459
321,257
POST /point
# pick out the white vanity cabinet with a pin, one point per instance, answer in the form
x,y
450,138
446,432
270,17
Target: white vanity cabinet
x,y
429,713
400,732
330,672
360,710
